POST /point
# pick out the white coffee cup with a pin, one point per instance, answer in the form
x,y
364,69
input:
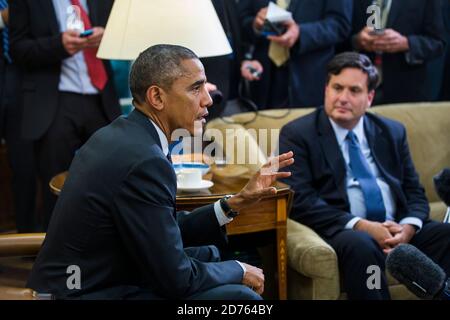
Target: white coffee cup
x,y
189,178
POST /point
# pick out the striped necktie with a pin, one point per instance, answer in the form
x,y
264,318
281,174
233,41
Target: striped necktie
x,y
5,34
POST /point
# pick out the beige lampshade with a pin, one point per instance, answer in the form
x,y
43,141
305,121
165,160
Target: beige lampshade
x,y
135,25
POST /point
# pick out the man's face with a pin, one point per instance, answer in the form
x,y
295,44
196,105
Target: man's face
x,y
347,97
187,100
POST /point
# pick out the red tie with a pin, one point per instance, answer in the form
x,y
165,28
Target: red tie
x,y
96,69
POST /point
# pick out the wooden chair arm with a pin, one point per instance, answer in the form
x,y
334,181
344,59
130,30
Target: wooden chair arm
x,y
22,244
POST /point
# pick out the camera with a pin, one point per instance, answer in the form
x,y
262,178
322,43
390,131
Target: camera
x,y
273,29
254,71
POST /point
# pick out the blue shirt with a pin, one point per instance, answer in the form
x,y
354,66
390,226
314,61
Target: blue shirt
x,y
354,192
74,73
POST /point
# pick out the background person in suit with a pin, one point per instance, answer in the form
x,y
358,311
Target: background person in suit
x,y
223,72
116,218
445,87
67,92
19,151
413,39
296,77
355,182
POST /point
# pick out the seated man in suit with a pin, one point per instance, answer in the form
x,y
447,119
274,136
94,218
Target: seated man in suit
x,y
355,182
115,220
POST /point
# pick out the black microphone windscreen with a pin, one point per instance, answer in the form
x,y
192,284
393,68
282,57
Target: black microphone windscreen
x,y
442,185
416,271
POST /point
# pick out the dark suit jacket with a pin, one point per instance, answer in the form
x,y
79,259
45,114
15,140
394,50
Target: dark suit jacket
x,y
37,47
409,79
116,220
319,173
445,87
323,24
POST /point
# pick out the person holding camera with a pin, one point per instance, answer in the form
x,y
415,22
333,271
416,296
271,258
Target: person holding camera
x,y
294,60
404,48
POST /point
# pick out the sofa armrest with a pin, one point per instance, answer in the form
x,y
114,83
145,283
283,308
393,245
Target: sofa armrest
x,y
239,145
308,254
312,265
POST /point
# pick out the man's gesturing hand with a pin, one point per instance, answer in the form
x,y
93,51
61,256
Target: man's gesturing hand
x,y
259,186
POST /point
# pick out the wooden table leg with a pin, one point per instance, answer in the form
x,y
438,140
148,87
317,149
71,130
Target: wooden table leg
x,y
281,248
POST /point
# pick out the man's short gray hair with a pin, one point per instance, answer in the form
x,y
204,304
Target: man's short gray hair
x,y
158,65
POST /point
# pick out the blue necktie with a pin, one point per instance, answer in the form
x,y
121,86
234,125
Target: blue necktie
x,y
5,32
370,189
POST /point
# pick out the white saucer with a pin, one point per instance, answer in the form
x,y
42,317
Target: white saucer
x,y
205,184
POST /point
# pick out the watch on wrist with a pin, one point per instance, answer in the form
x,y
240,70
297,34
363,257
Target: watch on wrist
x,y
230,213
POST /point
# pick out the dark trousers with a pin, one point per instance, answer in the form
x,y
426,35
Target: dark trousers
x,y
356,251
203,253
77,118
19,151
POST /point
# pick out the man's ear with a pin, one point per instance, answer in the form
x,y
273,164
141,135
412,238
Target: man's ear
x,y
370,98
155,97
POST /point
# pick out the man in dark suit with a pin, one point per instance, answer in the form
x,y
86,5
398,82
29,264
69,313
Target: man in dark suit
x,y
355,182
223,72
445,87
413,37
308,42
19,150
115,219
67,92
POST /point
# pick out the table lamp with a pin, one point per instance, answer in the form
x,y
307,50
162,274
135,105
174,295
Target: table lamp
x,y
135,25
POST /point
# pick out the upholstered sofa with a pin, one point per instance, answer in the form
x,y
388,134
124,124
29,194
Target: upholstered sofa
x,y
312,264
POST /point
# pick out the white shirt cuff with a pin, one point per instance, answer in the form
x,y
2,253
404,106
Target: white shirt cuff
x,y
352,223
242,266
413,221
221,217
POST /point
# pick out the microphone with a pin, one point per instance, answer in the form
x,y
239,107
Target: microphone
x,y
418,273
442,186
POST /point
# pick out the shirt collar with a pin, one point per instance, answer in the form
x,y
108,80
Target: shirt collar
x,y
162,138
341,133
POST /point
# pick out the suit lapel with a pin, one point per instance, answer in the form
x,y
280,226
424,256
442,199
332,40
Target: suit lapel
x,y
381,151
50,14
396,8
332,152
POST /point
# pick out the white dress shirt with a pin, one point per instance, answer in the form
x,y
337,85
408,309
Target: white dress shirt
x,y
74,72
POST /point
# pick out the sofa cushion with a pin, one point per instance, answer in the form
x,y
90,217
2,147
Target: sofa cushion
x,y
428,129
